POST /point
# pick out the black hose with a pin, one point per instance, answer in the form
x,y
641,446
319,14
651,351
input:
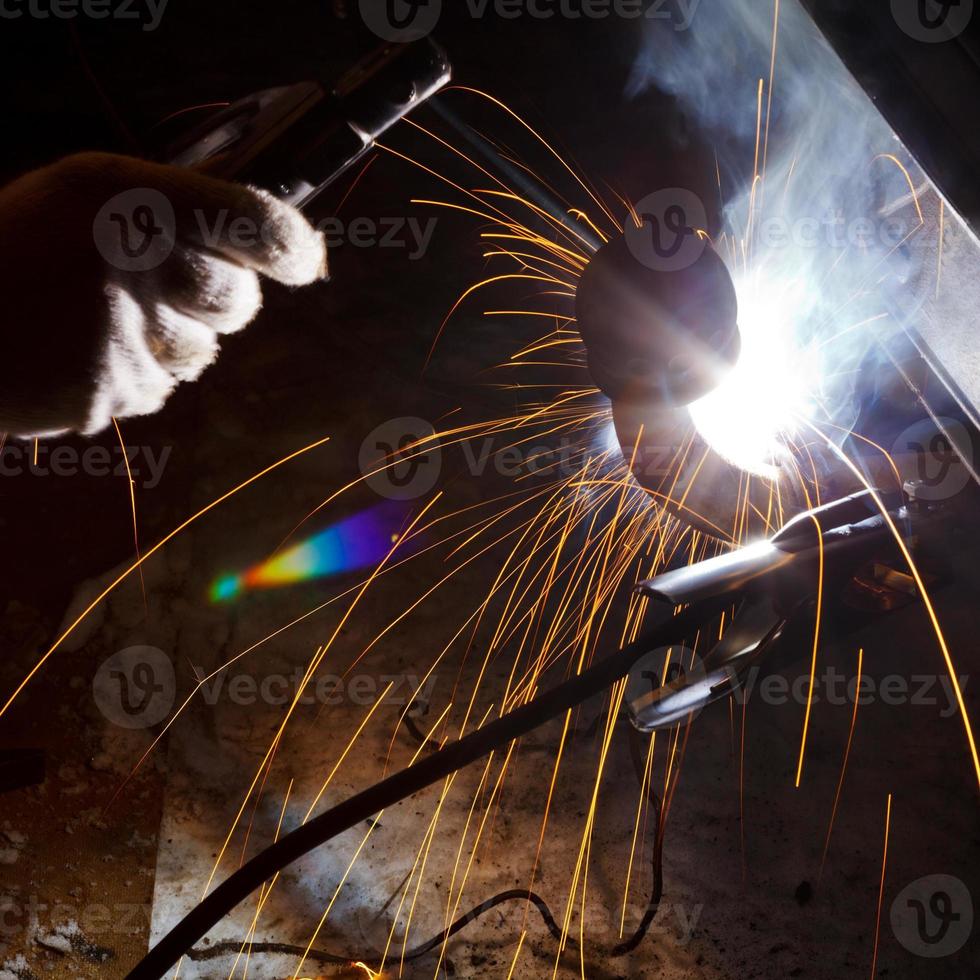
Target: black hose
x,y
248,878
234,947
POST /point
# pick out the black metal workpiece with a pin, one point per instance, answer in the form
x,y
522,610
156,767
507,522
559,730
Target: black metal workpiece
x,y
924,79
656,336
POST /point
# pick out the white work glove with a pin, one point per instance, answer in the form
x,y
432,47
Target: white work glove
x,y
117,277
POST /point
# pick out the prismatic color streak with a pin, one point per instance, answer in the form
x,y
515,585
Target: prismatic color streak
x,y
352,544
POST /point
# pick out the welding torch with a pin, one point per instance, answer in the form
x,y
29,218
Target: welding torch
x,y
296,140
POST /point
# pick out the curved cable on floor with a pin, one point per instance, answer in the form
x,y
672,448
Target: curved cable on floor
x,y
454,756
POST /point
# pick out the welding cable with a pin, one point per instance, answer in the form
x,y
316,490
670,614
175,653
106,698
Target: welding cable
x,y
411,726
657,858
401,785
234,947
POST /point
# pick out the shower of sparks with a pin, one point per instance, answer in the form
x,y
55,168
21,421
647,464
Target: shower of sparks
x,y
119,579
818,610
843,768
881,886
132,504
566,543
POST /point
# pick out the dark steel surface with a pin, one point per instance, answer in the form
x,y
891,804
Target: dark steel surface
x,y
928,92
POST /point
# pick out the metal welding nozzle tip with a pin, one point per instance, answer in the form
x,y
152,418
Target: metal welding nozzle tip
x,y
657,336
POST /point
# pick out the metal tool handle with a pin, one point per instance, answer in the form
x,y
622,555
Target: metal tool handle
x,y
296,140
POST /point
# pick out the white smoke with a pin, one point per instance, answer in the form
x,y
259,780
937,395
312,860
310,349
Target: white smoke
x,y
834,222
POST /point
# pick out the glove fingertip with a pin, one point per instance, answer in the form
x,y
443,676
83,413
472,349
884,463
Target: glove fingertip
x,y
297,252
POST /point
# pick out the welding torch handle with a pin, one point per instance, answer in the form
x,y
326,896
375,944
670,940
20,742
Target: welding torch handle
x,y
296,140
399,786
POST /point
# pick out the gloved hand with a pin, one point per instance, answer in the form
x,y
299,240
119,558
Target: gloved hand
x,y
117,277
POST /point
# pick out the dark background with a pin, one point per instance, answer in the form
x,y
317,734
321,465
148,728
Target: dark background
x,y
81,84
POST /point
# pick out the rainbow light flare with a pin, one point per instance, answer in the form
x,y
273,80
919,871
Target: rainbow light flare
x,y
356,542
